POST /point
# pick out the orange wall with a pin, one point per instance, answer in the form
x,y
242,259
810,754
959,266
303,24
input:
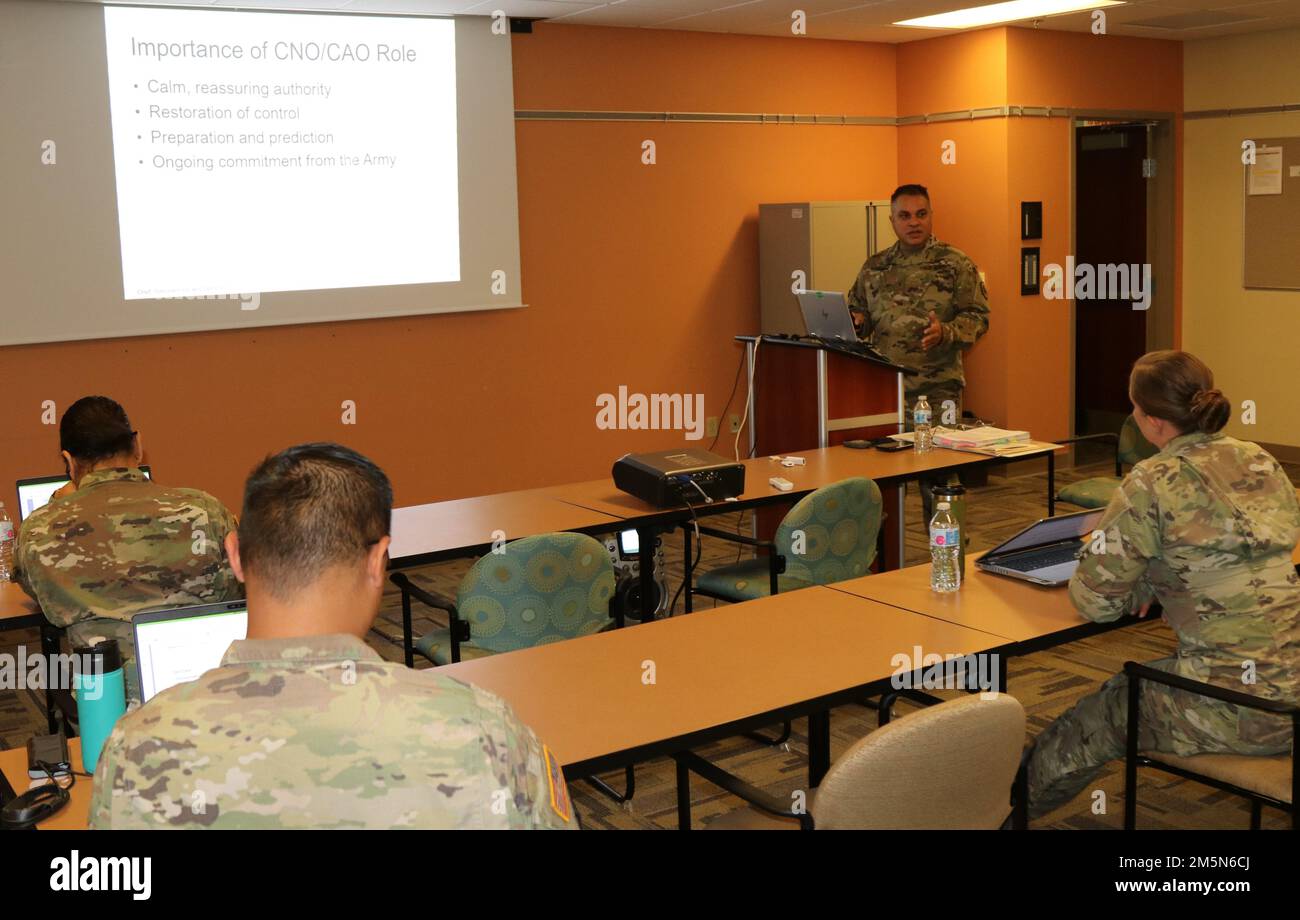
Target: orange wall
x,y
634,275
1020,373
1082,70
961,71
969,199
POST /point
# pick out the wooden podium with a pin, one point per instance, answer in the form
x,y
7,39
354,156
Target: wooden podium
x,y
804,394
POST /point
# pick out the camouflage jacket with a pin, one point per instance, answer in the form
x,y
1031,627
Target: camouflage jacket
x,y
891,303
1206,527
320,732
121,544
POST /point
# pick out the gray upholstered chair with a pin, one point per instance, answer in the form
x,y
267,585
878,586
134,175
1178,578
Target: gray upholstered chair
x,y
1263,780
949,766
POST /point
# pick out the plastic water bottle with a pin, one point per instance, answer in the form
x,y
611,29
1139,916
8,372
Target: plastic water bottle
x,y
921,425
6,545
945,548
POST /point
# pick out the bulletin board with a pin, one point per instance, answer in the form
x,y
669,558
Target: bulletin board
x,y
1272,216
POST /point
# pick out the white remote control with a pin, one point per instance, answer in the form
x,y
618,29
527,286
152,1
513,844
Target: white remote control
x,y
784,485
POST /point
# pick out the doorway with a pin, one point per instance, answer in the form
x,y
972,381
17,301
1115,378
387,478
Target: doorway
x,y
1111,228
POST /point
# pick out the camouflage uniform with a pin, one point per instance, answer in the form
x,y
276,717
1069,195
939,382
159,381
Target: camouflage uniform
x,y
320,732
120,545
891,303
1206,527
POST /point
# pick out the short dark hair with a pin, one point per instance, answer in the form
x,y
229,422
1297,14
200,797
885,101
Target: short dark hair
x,y
308,508
95,428
910,189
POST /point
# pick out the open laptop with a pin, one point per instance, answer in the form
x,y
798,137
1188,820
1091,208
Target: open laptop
x,y
36,493
1046,553
826,314
176,646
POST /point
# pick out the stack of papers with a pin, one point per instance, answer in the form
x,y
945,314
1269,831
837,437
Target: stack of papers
x,y
977,438
992,442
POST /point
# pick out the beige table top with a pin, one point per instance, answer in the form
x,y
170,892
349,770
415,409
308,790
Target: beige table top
x,y
14,602
824,466
76,814
1007,607
445,527
586,697
1015,610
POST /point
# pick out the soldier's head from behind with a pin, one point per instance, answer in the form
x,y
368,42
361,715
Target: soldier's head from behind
x,y
1173,393
95,434
312,546
909,212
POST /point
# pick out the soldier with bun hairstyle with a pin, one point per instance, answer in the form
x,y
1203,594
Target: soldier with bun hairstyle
x,y
1206,527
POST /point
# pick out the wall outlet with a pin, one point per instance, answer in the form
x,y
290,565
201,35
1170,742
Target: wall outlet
x,y
711,427
734,421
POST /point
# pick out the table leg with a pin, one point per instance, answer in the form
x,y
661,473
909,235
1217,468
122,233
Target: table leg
x,y
819,746
683,797
891,539
689,570
1051,484
50,648
646,537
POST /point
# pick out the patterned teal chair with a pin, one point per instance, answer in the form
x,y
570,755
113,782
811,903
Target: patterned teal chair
x,y
1130,448
828,536
541,589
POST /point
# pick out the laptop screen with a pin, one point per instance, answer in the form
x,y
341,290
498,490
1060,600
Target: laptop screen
x,y
1052,530
826,314
36,493
176,646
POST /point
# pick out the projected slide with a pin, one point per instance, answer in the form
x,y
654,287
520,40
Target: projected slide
x,y
260,152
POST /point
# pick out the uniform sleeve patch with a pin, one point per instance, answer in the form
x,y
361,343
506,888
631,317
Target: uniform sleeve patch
x,y
559,791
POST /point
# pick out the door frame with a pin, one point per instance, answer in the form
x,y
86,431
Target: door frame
x,y
1162,228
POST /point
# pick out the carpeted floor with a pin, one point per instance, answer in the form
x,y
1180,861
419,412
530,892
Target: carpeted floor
x,y
1046,683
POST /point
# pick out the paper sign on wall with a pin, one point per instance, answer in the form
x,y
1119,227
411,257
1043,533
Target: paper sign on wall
x,y
1265,176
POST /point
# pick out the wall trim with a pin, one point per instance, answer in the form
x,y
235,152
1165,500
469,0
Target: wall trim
x,y
1252,110
752,118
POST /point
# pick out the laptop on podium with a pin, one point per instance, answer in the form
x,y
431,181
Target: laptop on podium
x,y
826,314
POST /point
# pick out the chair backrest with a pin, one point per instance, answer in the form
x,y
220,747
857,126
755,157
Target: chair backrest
x,y
830,534
949,766
1133,446
540,589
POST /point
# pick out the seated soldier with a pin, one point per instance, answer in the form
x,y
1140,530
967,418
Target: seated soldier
x,y
1206,527
111,543
303,725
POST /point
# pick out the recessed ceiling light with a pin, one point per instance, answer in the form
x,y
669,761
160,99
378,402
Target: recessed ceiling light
x,y
1004,12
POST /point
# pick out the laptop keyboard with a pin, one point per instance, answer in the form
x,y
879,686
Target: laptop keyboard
x,y
1041,560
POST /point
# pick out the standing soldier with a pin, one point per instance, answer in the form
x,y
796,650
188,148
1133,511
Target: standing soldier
x,y
1206,527
111,543
921,303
